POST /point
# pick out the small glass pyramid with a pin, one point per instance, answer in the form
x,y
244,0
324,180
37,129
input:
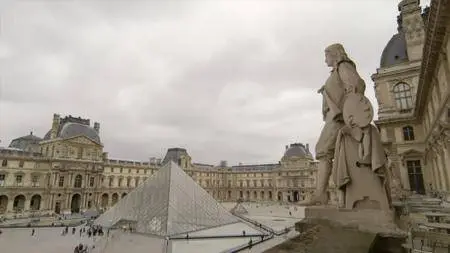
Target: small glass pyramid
x,y
167,204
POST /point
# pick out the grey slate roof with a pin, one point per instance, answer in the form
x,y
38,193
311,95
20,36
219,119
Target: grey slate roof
x,y
173,154
71,129
395,51
28,143
298,150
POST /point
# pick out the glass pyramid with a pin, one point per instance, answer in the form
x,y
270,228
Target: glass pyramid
x,y
169,203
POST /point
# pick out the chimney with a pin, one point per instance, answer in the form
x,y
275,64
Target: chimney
x,y
413,27
97,127
55,126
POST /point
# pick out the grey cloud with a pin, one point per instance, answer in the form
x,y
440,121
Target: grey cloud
x,y
224,79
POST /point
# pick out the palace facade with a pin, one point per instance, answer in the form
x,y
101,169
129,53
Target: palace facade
x,y
67,171
412,87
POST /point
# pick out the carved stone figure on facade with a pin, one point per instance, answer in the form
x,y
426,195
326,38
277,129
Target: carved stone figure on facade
x,y
349,147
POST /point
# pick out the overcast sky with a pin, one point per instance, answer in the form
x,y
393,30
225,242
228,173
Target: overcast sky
x,y
232,80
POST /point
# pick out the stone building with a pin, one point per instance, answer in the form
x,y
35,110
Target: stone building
x,y
412,86
68,171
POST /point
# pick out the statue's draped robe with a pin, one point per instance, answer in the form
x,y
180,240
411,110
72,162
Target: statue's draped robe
x,y
359,168
333,92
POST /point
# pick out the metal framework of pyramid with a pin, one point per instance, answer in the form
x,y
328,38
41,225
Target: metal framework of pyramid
x,y
166,204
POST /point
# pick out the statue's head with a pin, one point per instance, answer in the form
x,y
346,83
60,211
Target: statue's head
x,y
334,54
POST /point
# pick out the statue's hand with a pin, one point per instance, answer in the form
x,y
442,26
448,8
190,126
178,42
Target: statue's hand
x,y
351,89
321,89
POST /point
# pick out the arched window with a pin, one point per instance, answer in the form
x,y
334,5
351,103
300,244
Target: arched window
x,y
403,97
78,181
408,133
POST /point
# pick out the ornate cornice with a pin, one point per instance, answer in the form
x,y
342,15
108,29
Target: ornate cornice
x,y
435,33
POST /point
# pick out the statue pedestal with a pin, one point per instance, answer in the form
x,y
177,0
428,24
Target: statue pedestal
x,y
340,230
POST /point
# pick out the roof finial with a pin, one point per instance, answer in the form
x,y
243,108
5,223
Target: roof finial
x,y
31,132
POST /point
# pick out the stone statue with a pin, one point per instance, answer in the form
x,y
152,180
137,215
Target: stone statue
x,y
349,147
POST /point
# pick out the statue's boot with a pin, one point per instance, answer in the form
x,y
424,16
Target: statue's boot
x,y
320,196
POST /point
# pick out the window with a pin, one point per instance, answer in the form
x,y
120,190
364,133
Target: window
x,y
61,181
4,163
80,153
241,194
137,181
128,182
415,176
21,164
91,181
78,181
19,180
2,180
229,183
403,97
110,183
408,133
121,170
262,182
120,182
35,181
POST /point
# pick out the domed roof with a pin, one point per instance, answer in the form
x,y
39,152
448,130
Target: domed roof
x,y
28,143
297,150
395,51
71,129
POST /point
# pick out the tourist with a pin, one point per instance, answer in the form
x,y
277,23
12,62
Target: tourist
x,y
250,243
32,232
243,232
80,249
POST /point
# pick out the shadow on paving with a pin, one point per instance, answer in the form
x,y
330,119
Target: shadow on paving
x,y
324,239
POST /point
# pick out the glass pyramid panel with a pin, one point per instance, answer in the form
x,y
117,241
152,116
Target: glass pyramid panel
x,y
191,208
168,203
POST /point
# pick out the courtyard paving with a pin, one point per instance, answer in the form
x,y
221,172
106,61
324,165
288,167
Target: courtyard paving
x,y
50,240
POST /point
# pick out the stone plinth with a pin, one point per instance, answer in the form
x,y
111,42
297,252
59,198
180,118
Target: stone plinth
x,y
356,231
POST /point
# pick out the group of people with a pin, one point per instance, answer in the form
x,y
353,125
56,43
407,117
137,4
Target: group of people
x,y
90,231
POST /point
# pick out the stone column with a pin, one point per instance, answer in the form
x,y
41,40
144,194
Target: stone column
x,y
27,203
446,161
428,170
10,206
443,179
436,183
404,174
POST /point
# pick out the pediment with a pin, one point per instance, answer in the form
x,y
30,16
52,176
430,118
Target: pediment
x,y
81,140
411,152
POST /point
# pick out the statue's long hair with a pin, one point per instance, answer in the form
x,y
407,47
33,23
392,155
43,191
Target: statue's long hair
x,y
338,53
